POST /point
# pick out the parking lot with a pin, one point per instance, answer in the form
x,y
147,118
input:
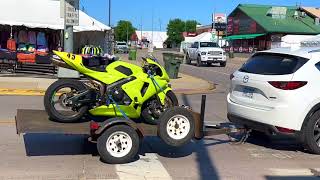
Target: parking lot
x,y
44,156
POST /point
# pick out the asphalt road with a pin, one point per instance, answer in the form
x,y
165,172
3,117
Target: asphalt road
x,y
45,156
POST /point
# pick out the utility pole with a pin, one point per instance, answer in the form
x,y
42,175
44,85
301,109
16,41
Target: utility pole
x,y
70,12
109,13
152,28
127,33
141,32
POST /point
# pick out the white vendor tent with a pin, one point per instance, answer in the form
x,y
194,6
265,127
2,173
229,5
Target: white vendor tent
x,y
294,40
311,42
156,37
206,36
43,14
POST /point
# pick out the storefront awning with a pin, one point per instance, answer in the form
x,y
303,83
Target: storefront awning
x,y
243,36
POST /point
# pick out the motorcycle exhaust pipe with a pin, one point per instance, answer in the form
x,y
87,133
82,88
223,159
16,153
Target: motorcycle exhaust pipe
x,y
60,63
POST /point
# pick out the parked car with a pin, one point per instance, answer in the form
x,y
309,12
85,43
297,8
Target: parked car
x,y
122,47
206,53
277,91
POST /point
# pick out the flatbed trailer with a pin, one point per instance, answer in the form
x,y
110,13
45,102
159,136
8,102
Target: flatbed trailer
x,y
37,121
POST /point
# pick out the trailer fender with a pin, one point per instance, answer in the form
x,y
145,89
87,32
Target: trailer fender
x,y
116,121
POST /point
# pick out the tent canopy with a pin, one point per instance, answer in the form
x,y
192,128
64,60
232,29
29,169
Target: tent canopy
x,y
157,37
206,36
43,14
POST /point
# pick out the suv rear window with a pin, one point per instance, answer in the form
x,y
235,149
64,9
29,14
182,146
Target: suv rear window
x,y
273,64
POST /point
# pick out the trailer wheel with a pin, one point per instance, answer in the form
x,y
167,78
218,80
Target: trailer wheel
x,y
176,127
118,144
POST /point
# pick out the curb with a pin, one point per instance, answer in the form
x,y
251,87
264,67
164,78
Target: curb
x,y
209,90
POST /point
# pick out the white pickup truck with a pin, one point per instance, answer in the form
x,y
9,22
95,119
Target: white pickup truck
x,y
206,53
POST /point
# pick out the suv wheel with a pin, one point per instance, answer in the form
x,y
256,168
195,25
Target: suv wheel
x,y
188,60
311,134
199,61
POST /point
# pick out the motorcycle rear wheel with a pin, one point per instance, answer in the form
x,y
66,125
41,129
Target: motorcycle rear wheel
x,y
170,101
59,110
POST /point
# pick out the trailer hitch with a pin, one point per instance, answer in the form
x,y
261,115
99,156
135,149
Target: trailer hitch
x,y
236,134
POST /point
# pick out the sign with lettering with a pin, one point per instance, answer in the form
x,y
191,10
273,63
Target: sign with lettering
x,y
71,12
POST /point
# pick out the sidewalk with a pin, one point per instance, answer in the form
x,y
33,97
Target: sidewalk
x,y
29,86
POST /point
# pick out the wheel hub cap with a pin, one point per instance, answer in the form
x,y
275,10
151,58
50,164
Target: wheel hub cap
x,y
178,127
317,132
119,144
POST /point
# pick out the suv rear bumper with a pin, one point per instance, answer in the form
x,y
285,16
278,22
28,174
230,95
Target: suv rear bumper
x,y
254,125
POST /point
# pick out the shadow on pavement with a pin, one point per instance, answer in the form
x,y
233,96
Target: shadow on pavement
x,y
57,144
291,177
277,142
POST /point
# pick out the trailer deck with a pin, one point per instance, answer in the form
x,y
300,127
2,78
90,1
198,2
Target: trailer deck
x,y
37,121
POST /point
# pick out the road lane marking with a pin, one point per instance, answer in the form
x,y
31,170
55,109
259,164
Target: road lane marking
x,y
7,122
291,172
22,92
147,167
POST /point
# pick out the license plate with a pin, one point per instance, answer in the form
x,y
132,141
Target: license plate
x,y
212,58
248,92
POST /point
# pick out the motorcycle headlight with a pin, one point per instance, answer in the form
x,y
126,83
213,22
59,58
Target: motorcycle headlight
x,y
203,53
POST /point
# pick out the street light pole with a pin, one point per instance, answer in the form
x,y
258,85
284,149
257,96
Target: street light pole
x,y
127,33
109,13
109,33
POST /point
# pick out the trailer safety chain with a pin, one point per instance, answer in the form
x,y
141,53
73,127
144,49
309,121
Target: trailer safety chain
x,y
242,140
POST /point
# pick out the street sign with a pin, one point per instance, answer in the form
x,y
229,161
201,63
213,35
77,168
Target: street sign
x,y
71,13
219,21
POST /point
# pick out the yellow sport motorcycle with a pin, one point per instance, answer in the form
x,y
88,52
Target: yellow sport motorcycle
x,y
121,89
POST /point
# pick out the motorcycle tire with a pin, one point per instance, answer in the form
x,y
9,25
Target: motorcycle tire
x,y
148,118
49,106
176,127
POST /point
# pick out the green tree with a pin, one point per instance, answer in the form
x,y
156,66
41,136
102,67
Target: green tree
x,y
191,25
174,31
123,30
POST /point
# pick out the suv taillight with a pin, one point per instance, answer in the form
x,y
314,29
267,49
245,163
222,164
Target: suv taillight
x,y
288,85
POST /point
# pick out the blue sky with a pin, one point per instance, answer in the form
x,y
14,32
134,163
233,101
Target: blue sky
x,y
164,10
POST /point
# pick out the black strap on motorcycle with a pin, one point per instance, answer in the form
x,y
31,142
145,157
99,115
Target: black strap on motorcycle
x,y
118,107
154,81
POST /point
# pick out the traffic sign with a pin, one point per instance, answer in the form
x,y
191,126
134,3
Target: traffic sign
x,y
71,12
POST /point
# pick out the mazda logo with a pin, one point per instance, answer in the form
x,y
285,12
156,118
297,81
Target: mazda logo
x,y
245,79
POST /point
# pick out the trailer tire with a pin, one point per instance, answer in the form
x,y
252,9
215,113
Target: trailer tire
x,y
118,144
176,127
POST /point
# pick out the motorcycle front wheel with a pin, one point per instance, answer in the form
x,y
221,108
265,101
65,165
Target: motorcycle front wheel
x,y
171,100
57,103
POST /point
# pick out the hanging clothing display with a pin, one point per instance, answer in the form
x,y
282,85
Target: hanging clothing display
x,y
15,37
23,37
4,37
32,38
41,39
11,44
